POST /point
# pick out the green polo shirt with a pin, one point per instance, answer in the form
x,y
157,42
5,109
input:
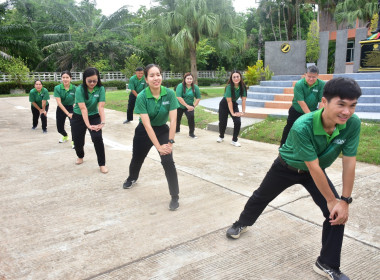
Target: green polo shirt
x,y
157,109
67,96
189,95
35,96
227,93
308,141
97,95
136,84
312,95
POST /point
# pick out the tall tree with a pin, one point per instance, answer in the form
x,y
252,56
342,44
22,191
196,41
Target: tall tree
x,y
185,22
91,37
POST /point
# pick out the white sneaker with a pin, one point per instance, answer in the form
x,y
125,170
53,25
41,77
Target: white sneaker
x,y
219,140
64,139
236,144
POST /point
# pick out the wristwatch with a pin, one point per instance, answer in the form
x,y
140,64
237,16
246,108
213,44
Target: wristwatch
x,y
171,141
348,200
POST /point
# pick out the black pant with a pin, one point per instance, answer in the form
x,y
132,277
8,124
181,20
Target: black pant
x,y
131,106
276,181
61,118
190,119
78,129
36,114
141,146
293,115
223,119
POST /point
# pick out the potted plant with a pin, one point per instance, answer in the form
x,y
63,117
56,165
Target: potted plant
x,y
312,44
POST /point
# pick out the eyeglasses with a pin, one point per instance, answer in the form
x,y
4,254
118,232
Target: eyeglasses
x,y
92,81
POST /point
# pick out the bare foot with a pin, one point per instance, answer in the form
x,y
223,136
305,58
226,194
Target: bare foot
x,y
103,169
79,161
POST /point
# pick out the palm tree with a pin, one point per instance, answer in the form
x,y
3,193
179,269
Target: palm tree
x,y
185,22
91,36
350,10
13,41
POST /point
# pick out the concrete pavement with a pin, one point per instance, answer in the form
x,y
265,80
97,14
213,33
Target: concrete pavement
x,y
62,221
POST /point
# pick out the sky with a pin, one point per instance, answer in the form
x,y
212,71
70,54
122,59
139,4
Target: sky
x,y
110,6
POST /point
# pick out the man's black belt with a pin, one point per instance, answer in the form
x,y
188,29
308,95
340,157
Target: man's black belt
x,y
300,171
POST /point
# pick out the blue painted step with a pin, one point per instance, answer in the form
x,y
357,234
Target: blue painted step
x,y
267,90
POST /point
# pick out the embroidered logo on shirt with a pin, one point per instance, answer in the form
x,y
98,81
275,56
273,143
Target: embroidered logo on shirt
x,y
165,103
339,141
315,90
96,95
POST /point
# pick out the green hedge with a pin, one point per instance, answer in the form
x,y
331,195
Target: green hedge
x,y
6,87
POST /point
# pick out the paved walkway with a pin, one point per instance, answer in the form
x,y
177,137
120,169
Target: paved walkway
x,y
62,221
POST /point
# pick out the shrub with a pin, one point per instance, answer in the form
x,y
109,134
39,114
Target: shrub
x,y
16,68
256,73
131,63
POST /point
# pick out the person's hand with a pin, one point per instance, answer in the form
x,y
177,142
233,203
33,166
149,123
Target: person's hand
x,y
93,127
338,213
165,149
99,126
190,108
70,115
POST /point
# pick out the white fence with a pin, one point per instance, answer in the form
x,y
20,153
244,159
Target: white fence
x,y
108,76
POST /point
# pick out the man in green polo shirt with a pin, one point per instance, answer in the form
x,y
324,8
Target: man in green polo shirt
x,y
314,142
136,85
307,94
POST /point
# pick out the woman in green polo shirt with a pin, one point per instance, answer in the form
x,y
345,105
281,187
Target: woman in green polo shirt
x,y
64,94
155,104
89,115
228,106
186,93
39,97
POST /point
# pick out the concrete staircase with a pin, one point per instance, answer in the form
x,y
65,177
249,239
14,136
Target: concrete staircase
x,y
274,98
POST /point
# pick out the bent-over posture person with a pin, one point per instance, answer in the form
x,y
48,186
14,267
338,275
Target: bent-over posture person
x,y
314,142
307,94
155,104
90,98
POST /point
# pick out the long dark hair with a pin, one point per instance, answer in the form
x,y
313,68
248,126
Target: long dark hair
x,y
242,85
88,73
184,82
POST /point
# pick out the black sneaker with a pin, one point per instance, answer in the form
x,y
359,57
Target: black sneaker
x,y
235,230
126,121
44,131
34,127
193,136
173,205
329,272
128,184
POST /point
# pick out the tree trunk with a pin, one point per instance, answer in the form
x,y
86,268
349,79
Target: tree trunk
x,y
286,28
271,22
279,20
193,64
260,44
